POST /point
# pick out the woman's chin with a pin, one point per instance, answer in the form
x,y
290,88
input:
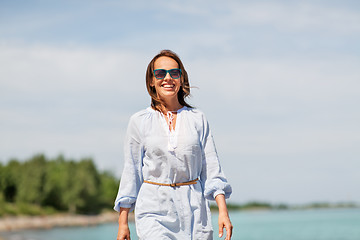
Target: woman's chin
x,y
168,93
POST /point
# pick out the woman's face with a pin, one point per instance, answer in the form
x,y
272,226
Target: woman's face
x,y
166,88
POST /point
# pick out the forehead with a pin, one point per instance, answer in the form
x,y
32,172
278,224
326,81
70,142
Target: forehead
x,y
165,63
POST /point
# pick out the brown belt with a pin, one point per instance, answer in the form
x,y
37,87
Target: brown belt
x,y
173,184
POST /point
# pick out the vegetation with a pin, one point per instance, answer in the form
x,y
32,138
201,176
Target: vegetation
x,y
44,186
254,205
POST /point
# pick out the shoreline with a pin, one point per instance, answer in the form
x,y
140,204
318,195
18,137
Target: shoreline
x,y
16,223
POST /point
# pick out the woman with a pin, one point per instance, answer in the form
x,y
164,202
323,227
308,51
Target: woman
x,y
171,165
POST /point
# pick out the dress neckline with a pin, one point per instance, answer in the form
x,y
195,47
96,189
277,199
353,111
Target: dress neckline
x,y
172,134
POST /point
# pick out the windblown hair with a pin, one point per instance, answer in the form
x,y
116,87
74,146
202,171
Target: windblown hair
x,y
184,91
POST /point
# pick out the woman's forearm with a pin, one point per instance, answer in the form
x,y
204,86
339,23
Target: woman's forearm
x,y
220,201
123,216
123,232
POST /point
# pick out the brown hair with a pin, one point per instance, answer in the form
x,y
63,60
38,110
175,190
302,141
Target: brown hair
x,y
184,91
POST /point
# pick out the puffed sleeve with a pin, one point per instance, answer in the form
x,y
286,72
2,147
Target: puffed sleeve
x,y
212,177
131,178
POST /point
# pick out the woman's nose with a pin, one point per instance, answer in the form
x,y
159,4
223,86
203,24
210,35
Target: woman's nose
x,y
167,76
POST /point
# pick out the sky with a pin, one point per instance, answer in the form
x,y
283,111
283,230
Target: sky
x,y
279,82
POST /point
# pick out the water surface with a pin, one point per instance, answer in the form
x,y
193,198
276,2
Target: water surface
x,y
325,224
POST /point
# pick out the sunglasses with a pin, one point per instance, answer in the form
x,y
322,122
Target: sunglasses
x,y
175,73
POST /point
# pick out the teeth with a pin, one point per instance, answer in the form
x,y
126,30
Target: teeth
x,y
168,86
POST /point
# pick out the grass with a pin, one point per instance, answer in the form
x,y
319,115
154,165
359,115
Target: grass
x,y
17,209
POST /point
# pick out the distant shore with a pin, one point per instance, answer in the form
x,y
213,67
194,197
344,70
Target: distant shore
x,y
23,222
15,223
255,205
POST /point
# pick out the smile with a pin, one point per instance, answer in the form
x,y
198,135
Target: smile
x,y
168,85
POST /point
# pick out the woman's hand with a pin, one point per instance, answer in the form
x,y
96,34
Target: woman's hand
x,y
224,220
124,231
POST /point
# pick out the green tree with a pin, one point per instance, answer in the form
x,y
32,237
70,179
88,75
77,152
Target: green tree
x,y
32,180
108,189
70,196
89,178
1,183
63,184
56,183
10,180
82,187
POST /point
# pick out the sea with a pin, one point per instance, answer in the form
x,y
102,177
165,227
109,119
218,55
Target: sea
x,y
313,224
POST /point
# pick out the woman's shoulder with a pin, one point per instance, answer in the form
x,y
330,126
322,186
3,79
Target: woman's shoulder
x,y
139,119
142,114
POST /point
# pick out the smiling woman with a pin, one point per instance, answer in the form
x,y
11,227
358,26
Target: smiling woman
x,y
171,165
154,76
166,87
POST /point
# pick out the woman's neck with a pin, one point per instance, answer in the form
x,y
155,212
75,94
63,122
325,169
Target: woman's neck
x,y
172,106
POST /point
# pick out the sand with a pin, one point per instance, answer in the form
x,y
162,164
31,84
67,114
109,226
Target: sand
x,y
60,220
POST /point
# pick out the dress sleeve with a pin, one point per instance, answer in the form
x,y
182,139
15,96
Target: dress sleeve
x,y
131,178
212,177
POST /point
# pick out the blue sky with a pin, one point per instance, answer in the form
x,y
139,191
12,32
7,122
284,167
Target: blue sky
x,y
278,80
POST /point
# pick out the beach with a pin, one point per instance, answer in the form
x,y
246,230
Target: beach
x,y
15,223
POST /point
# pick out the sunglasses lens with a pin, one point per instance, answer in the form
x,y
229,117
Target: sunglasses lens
x,y
160,73
175,73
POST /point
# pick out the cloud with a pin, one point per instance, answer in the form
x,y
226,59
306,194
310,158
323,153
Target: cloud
x,y
280,123
40,69
75,101
278,82
292,79
290,16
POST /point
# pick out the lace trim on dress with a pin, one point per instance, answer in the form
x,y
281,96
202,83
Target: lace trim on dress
x,y
170,117
172,143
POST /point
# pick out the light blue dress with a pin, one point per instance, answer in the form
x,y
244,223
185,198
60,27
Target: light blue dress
x,y
156,154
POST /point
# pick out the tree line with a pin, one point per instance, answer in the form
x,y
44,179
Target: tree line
x,y
58,185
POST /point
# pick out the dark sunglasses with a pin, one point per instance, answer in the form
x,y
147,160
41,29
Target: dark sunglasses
x,y
175,73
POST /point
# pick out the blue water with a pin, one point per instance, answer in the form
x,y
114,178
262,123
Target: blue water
x,y
327,224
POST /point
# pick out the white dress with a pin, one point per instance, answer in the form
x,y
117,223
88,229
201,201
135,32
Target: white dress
x,y
156,154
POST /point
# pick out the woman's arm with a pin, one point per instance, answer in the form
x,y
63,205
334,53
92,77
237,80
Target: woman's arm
x,y
224,220
124,231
